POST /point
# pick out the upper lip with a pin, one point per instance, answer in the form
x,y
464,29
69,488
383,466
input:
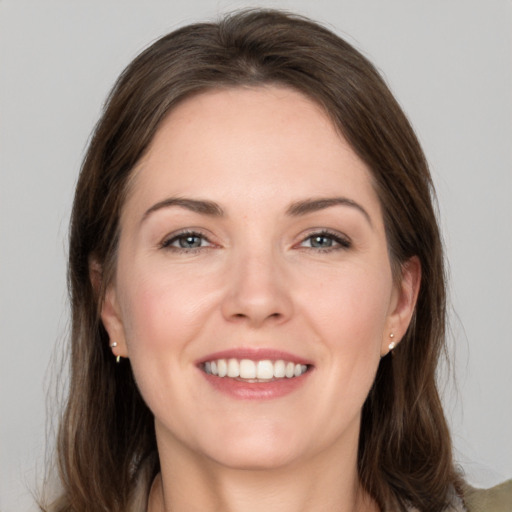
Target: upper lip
x,y
254,354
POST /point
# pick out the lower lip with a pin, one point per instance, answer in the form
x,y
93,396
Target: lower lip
x,y
256,390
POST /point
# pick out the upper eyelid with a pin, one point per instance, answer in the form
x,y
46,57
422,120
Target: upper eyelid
x,y
171,237
326,232
316,231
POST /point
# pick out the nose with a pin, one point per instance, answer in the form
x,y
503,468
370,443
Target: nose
x,y
258,291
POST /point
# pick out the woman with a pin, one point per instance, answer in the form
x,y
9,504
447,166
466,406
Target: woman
x,y
257,285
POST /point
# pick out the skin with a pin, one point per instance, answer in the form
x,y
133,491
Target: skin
x,y
258,278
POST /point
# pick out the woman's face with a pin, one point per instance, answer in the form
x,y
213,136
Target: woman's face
x,y
252,244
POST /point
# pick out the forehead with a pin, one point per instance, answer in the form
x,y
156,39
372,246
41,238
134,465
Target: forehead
x,y
266,143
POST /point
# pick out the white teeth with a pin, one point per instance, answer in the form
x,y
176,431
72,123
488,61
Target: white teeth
x,y
247,369
251,370
222,367
265,370
233,368
279,369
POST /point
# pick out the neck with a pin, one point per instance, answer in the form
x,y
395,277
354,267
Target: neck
x,y
318,485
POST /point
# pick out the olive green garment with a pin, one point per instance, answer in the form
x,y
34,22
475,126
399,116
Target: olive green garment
x,y
496,499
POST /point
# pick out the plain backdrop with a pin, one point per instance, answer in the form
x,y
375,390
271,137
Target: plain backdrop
x,y
449,62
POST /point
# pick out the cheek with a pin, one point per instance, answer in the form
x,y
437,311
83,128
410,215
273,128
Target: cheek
x,y
164,311
162,293
349,316
351,306
161,316
159,313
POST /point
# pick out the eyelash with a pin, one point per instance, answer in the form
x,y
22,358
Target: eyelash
x,y
167,243
342,242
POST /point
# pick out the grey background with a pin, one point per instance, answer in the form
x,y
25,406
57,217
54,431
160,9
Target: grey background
x,y
449,64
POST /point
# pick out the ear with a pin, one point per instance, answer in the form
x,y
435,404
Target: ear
x,y
403,304
110,311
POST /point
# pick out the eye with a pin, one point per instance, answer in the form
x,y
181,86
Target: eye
x,y
326,241
187,241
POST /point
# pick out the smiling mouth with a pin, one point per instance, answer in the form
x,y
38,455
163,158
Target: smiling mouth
x,y
247,370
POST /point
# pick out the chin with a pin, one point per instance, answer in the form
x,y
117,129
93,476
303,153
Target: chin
x,y
256,449
254,458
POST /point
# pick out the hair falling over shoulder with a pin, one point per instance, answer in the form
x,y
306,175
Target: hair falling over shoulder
x,y
107,454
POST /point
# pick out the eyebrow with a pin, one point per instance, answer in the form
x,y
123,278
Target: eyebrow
x,y
312,205
296,209
203,207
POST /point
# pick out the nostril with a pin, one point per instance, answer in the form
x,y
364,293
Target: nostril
x,y
258,318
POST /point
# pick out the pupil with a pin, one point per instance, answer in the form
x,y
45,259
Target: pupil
x,y
321,241
188,242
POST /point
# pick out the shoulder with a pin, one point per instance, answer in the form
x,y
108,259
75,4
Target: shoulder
x,y
495,499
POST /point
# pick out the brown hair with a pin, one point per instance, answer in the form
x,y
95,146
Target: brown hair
x,y
106,444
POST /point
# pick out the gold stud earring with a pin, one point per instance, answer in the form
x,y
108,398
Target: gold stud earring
x,y
113,345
